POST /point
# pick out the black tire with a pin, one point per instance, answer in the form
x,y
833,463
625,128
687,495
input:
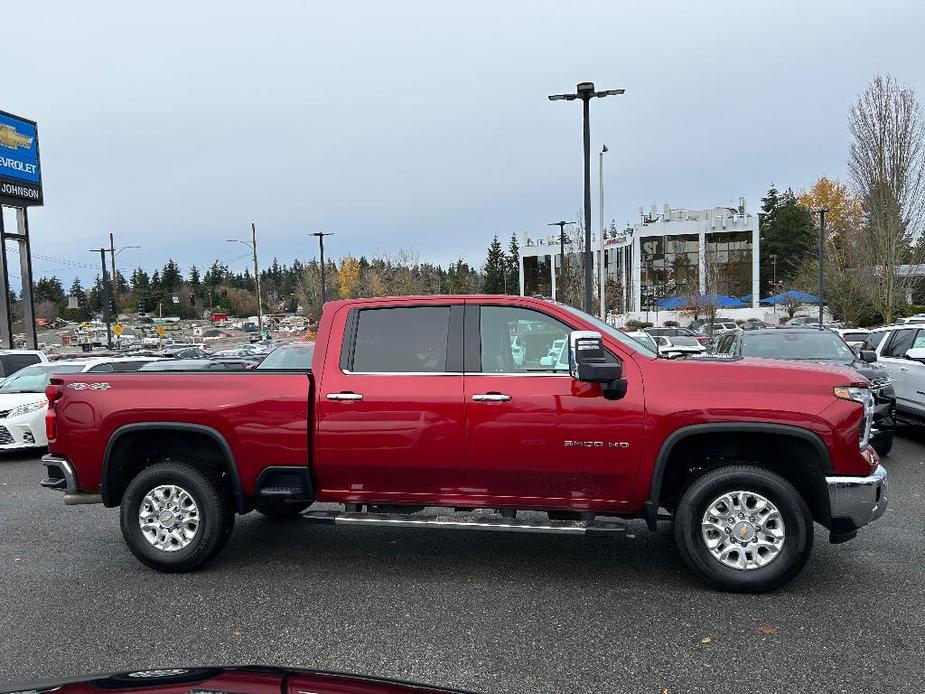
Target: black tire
x,y
883,445
280,510
216,516
797,519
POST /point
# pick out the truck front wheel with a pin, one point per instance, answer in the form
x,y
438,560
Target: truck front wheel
x,y
743,529
174,516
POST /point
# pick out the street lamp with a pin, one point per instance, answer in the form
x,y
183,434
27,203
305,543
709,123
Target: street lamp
x,y
253,247
585,91
600,264
561,226
821,212
321,235
113,252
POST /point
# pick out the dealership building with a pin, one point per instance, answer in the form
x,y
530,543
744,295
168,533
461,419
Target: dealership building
x,y
669,253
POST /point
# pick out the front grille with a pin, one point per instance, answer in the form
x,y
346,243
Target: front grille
x,y
6,437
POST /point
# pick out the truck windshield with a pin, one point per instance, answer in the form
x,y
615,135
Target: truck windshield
x,y
604,328
33,379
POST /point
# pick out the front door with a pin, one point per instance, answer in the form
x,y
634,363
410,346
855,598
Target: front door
x,y
908,375
391,416
535,436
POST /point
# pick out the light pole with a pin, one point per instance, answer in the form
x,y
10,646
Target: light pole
x,y
253,247
324,292
585,91
113,252
773,258
600,262
822,212
561,226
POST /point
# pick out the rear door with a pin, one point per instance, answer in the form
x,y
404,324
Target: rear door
x,y
535,435
390,407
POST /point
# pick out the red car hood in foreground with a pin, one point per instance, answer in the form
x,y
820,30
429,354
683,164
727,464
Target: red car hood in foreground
x,y
250,679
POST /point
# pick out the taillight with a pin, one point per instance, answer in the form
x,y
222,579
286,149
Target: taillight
x,y
54,392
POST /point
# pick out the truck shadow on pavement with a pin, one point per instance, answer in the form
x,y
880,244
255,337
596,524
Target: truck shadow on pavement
x,y
640,560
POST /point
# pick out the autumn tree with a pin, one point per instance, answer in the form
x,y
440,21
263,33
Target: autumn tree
x,y
348,277
845,267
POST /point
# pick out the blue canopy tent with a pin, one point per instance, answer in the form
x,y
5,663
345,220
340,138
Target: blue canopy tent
x,y
721,300
791,296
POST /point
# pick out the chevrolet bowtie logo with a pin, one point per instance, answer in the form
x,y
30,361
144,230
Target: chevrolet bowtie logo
x,y
13,140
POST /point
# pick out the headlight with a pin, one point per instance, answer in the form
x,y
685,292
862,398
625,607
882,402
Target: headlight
x,y
26,408
866,398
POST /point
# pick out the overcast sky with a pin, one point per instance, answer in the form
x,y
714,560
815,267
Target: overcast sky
x,y
423,126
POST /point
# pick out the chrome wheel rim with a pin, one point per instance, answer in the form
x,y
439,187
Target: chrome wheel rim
x,y
169,518
743,530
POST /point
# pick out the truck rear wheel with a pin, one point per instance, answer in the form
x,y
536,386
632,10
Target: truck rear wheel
x,y
743,529
175,517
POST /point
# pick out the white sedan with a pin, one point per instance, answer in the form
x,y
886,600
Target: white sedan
x,y
22,396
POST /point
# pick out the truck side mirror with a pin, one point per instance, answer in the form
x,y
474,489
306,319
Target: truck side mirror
x,y
868,355
588,363
916,354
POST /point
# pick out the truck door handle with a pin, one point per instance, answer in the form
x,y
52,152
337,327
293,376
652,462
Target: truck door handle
x,y
491,397
344,396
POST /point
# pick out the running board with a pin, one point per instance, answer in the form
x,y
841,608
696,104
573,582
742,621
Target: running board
x,y
464,522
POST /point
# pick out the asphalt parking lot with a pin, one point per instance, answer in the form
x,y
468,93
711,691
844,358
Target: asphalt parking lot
x,y
488,612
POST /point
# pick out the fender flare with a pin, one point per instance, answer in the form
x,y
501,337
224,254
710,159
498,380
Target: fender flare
x,y
234,475
650,508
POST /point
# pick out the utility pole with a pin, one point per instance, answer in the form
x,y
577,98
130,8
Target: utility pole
x,y
585,91
561,225
106,299
822,212
324,286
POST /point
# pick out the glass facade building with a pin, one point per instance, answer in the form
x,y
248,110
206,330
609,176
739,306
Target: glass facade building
x,y
728,263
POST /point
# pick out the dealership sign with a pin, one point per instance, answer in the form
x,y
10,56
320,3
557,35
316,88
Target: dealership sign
x,y
20,171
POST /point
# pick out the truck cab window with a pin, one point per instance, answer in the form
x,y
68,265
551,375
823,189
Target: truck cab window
x,y
402,340
519,340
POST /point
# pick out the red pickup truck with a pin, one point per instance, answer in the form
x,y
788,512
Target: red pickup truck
x,y
490,409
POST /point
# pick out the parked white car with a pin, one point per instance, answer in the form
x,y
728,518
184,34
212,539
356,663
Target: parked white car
x,y
678,346
12,360
854,337
900,349
22,396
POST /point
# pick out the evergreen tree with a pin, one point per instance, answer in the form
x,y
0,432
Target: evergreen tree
x,y
194,279
48,289
513,266
495,268
787,232
171,278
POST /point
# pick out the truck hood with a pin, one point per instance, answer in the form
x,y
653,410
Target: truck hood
x,y
735,385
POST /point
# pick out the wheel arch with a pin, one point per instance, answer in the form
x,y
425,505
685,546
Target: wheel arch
x,y
204,440
749,438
